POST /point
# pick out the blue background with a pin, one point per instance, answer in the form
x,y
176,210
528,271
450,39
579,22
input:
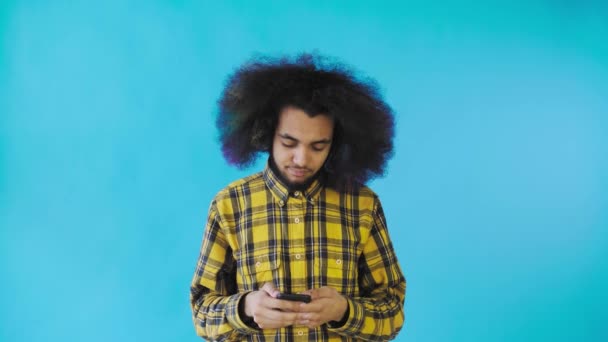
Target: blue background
x,y
496,199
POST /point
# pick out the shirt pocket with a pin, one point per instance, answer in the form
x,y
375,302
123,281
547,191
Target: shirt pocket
x,y
338,270
256,270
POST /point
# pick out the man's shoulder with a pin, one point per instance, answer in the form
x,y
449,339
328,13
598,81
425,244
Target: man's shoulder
x,y
251,181
245,181
355,191
364,190
364,196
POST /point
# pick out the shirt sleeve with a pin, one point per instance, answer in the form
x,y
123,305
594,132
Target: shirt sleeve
x,y
376,315
214,298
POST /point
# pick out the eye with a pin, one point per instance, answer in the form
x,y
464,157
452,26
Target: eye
x,y
288,145
318,148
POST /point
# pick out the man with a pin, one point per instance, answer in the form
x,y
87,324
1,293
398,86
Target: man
x,y
306,224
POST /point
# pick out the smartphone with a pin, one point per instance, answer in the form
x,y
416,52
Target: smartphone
x,y
295,297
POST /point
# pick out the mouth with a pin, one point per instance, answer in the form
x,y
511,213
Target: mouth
x,y
297,172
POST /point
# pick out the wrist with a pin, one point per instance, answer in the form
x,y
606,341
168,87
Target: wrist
x,y
245,308
342,319
245,318
343,309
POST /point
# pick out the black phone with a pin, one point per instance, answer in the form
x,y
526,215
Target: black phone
x,y
295,297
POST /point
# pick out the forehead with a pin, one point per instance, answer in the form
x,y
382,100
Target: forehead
x,y
296,123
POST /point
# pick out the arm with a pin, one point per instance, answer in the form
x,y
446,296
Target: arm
x,y
214,297
377,315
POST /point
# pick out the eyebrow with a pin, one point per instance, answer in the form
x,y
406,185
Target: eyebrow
x,y
289,137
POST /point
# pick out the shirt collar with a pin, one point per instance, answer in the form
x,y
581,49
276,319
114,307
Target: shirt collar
x,y
281,192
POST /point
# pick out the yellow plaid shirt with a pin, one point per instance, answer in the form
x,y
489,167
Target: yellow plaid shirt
x,y
258,232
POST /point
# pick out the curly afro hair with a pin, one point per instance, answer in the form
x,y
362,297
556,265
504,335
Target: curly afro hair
x,y
256,93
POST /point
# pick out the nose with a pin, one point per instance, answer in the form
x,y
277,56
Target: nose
x,y
300,157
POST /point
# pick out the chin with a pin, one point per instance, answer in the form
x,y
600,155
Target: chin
x,y
297,182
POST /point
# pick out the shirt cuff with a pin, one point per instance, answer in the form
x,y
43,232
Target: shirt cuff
x,y
352,322
342,321
233,317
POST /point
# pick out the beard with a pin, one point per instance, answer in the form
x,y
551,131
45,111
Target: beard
x,y
293,186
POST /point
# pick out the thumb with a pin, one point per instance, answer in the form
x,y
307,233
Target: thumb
x,y
270,290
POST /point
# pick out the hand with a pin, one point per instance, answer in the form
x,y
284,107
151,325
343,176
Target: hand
x,y
326,305
269,312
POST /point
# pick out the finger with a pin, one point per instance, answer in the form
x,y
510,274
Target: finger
x,y
325,292
312,307
313,293
322,292
275,319
309,320
270,290
284,305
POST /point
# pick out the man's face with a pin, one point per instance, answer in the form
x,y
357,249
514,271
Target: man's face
x,y
301,144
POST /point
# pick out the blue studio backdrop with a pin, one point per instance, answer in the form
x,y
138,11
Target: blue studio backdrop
x,y
496,197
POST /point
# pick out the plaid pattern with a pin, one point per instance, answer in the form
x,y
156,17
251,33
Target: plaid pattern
x,y
258,232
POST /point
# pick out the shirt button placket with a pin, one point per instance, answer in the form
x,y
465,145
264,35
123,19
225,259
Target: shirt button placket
x,y
297,205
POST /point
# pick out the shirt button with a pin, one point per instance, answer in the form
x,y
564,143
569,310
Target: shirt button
x,y
258,264
338,261
297,220
297,194
298,256
281,203
300,333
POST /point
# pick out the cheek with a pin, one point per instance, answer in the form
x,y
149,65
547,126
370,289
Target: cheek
x,y
279,153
